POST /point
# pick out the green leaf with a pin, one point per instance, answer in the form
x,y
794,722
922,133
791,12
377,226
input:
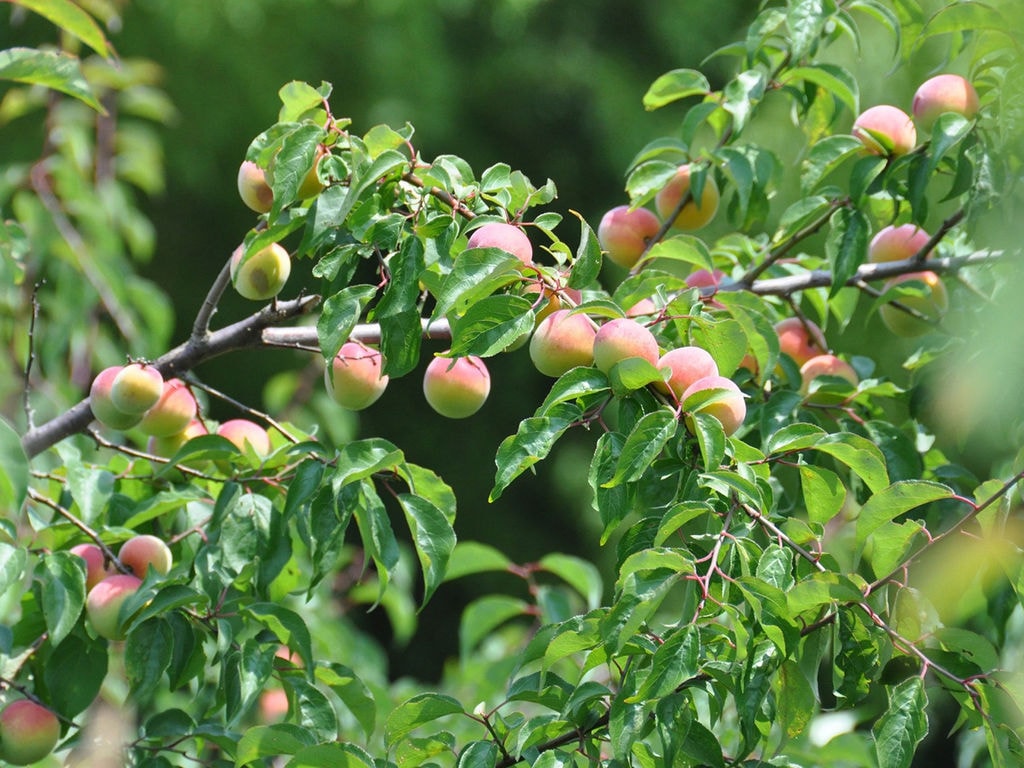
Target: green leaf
x,y
675,85
532,442
270,741
352,691
361,459
904,724
377,535
890,503
14,471
676,660
832,79
490,325
796,700
806,21
484,615
824,157
793,437
582,575
587,265
147,655
859,454
12,565
471,557
575,384
339,316
846,246
71,19
287,626
434,540
62,592
821,588
643,444
419,710
74,673
292,164
477,272
337,755
297,98
479,754
823,492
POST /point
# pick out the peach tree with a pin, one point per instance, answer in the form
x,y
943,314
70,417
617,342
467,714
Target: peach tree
x,y
803,571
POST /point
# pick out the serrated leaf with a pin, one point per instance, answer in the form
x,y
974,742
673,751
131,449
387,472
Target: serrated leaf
x,y
904,724
477,273
287,626
643,444
587,265
12,565
823,493
531,443
890,503
62,592
73,20
846,246
58,71
434,538
270,741
675,85
339,315
859,454
490,325
419,710
147,655
575,384
833,79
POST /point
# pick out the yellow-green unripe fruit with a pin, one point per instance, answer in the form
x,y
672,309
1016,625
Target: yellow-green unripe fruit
x,y
142,552
562,341
102,405
136,388
933,304
825,365
263,274
695,213
685,365
885,130
507,237
621,338
242,432
624,233
355,379
253,187
456,387
28,732
730,409
172,413
103,604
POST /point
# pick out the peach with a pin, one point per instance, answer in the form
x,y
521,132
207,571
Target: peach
x,y
933,304
242,432
624,233
559,298
28,732
136,388
166,447
621,338
561,342
273,705
642,308
507,237
253,187
695,213
263,274
885,130
102,405
142,552
685,365
825,365
175,409
800,339
104,601
895,243
944,93
728,407
703,278
354,379
456,387
95,563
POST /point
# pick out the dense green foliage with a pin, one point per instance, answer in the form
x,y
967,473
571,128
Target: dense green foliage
x,y
822,586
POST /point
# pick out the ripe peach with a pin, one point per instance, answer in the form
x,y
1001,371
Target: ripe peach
x,y
702,278
825,365
142,552
944,93
562,341
729,408
642,308
357,379
686,365
242,432
263,274
273,705
136,388
507,237
95,563
103,604
885,130
621,338
253,187
800,339
28,732
695,213
933,304
456,387
102,405
172,412
895,243
624,233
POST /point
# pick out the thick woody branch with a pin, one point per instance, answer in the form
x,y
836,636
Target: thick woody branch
x,y
241,335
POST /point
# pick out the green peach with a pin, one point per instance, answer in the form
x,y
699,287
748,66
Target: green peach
x,y
263,274
136,388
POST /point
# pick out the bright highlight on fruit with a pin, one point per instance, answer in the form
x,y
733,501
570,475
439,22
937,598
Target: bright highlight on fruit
x,y
145,551
885,130
624,233
941,94
825,365
895,243
685,365
242,433
621,338
253,187
507,237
